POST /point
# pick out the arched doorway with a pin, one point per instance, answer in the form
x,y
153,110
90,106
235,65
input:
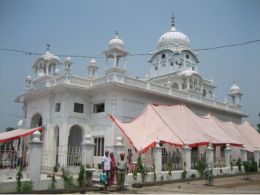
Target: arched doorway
x,y
37,122
74,146
56,143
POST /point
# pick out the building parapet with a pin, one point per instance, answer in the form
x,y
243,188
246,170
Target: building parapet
x,y
133,82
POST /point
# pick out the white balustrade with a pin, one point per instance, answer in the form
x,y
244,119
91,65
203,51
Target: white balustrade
x,y
83,82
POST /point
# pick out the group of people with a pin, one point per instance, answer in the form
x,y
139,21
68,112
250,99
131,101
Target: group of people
x,y
114,169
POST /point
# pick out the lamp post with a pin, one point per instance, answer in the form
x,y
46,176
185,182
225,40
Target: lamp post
x,y
258,125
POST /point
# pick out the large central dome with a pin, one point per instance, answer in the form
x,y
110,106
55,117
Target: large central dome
x,y
173,39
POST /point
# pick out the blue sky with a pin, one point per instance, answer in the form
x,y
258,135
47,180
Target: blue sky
x,y
80,27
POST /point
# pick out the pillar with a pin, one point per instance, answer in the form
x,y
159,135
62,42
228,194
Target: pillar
x,y
158,157
227,155
256,156
187,157
87,151
119,147
35,157
243,154
209,154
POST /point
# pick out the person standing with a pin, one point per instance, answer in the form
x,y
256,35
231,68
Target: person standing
x,y
129,160
106,166
113,169
121,171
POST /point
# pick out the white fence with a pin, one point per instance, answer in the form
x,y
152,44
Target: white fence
x,y
65,156
10,161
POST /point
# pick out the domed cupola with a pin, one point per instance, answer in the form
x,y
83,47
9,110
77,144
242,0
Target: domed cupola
x,y
173,38
235,94
47,64
116,43
115,51
234,89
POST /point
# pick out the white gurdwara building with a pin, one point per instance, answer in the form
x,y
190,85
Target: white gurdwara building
x,y
70,107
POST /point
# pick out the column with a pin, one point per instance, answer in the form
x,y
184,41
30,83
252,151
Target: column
x,y
87,151
256,156
119,147
209,154
227,155
243,154
35,157
113,105
187,157
158,157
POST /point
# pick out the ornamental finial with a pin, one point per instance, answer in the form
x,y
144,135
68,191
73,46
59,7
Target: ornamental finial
x,y
173,19
116,33
48,47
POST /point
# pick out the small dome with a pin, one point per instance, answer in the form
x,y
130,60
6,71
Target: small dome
x,y
28,78
174,38
68,60
187,72
93,62
20,123
57,71
116,43
41,74
49,56
234,88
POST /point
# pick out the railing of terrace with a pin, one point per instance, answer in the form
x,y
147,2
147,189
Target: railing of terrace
x,y
174,159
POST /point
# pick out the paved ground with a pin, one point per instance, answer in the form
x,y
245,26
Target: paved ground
x,y
232,185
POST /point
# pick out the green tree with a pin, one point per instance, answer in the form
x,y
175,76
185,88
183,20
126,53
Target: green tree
x,y
258,127
81,177
19,177
9,129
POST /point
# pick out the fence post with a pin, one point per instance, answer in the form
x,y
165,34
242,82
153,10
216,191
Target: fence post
x,y
243,154
227,155
119,147
187,157
209,154
35,157
158,157
256,156
87,151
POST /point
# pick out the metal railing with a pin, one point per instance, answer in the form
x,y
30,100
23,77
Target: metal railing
x,y
10,161
195,158
172,159
10,158
67,156
219,162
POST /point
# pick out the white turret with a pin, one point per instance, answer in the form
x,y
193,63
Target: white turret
x,y
115,51
28,82
67,70
172,54
235,94
47,64
92,69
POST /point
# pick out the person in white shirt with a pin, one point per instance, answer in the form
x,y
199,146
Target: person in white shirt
x,y
121,171
106,165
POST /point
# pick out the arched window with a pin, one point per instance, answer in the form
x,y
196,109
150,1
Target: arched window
x,y
191,83
210,94
204,94
184,84
56,143
74,146
175,85
37,122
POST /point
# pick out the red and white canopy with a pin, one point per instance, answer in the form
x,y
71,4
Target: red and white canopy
x,y
177,125
16,134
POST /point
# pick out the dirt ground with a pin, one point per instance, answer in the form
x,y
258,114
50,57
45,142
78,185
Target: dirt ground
x,y
227,185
